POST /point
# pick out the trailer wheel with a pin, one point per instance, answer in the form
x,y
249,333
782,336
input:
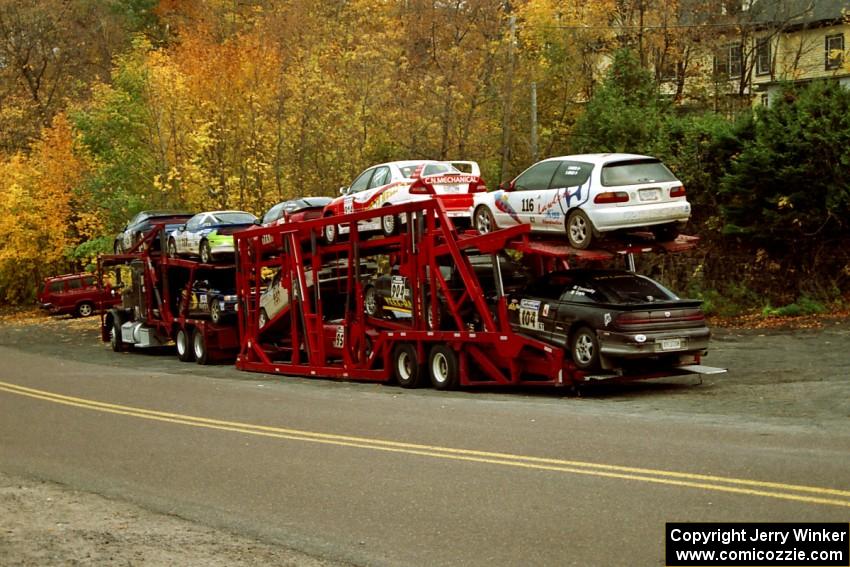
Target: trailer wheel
x,y
443,368
482,220
84,309
406,366
185,352
205,252
579,229
199,346
584,349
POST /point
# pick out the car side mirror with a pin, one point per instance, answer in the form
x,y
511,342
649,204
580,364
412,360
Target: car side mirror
x,y
182,227
343,190
506,186
258,222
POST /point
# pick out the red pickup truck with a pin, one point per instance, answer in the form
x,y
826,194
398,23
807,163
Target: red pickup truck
x,y
77,294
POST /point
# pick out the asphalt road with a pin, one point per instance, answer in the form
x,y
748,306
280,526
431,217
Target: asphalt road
x,y
378,475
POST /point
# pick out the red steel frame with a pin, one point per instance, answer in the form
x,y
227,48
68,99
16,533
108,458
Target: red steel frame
x,y
492,355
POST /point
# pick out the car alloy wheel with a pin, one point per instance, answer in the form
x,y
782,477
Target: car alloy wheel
x,y
330,233
584,349
483,218
579,229
85,309
370,301
205,252
389,225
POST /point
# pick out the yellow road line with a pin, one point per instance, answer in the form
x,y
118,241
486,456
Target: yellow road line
x,y
799,493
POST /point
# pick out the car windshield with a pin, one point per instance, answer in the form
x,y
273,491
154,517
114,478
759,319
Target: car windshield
x,y
274,213
629,288
634,172
235,218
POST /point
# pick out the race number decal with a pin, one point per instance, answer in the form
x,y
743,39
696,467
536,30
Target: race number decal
x,y
528,315
397,288
339,339
348,205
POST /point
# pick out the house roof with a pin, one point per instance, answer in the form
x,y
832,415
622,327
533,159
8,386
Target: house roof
x,y
798,12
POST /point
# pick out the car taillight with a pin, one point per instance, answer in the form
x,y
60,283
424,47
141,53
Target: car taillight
x,y
677,191
420,188
477,187
632,319
612,197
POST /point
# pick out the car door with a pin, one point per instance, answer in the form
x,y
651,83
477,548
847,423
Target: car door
x,y
529,191
569,188
183,236
534,311
355,196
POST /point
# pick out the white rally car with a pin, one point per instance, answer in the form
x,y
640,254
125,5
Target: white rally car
x,y
587,195
208,234
402,182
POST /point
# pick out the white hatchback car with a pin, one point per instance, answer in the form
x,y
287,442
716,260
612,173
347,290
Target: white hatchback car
x,y
393,183
587,195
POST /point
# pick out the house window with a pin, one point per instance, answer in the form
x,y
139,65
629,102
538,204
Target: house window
x,y
728,61
763,57
834,55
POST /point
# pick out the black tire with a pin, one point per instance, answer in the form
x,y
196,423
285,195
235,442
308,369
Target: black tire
x,y
205,252
579,229
115,335
407,369
183,340
172,248
666,232
199,347
443,368
370,301
330,233
84,309
263,319
584,349
390,224
482,220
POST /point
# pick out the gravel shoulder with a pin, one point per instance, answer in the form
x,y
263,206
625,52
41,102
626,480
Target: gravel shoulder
x,y
789,378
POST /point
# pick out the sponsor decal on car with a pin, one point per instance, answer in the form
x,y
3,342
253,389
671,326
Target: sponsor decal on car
x,y
500,200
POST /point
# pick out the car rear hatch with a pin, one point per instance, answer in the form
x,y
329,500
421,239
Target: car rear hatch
x,y
644,181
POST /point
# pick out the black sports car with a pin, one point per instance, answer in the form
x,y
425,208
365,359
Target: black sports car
x,y
143,223
390,296
608,319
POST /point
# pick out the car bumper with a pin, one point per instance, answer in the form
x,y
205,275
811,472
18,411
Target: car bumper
x,y
634,216
653,344
46,306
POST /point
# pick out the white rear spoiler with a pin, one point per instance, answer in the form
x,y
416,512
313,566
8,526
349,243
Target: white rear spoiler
x,y
472,166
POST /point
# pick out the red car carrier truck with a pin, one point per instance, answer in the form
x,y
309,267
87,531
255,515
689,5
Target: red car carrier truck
x,y
427,305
